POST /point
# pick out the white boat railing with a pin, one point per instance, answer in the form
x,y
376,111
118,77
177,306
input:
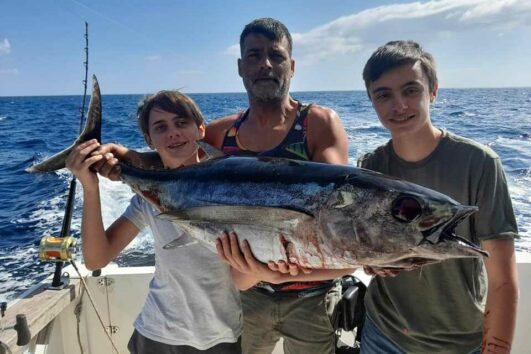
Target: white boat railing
x,y
59,326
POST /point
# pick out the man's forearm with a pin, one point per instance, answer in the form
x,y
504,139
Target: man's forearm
x,y
315,275
243,281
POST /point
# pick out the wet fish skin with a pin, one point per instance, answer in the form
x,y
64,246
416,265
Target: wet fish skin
x,y
313,214
316,215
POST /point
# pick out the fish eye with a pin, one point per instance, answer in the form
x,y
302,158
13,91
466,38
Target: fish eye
x,y
406,209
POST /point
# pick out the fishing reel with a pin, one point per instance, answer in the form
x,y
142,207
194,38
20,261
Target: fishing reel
x,y
57,249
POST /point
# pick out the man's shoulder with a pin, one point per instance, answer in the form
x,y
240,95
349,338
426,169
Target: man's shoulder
x,y
326,136
321,113
216,130
322,119
224,122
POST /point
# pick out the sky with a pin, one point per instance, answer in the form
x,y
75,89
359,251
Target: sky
x,y
142,46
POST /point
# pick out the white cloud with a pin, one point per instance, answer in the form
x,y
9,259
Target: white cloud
x,y
421,21
413,20
5,47
492,9
233,51
153,58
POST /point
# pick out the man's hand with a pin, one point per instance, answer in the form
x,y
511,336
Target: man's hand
x,y
243,259
285,268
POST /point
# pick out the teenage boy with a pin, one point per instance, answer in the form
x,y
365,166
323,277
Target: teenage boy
x,y
446,307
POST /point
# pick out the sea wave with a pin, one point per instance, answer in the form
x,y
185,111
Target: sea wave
x,y
35,207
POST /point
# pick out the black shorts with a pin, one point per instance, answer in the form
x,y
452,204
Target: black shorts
x,y
138,344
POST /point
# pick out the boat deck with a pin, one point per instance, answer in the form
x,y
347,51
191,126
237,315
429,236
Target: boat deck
x,y
54,327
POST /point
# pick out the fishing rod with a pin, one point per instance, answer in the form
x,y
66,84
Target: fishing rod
x,y
61,249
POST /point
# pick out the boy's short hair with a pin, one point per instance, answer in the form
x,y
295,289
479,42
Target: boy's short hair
x,y
170,101
397,53
272,29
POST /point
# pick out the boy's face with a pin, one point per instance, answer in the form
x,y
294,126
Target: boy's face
x,y
266,67
174,137
401,98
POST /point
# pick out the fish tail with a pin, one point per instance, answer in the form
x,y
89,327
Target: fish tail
x,y
92,130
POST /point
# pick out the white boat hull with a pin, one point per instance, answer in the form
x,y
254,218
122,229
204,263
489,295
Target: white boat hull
x,y
119,294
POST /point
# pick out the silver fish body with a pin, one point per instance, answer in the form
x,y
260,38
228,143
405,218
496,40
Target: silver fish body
x,y
313,214
316,215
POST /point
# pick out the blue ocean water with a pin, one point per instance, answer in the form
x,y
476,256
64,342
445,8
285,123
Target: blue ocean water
x,y
32,128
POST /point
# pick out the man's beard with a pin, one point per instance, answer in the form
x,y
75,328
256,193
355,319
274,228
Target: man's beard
x,y
266,93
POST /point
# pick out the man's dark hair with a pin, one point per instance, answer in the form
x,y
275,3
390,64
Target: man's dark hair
x,y
397,53
272,29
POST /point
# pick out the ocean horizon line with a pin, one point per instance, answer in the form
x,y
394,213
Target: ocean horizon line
x,y
245,93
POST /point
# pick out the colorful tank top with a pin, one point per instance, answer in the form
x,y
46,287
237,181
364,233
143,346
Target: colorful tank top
x,y
294,146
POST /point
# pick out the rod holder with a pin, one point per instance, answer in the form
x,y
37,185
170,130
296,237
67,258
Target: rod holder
x,y
23,332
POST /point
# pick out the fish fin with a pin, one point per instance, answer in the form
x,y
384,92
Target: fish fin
x,y
92,130
269,217
210,151
344,199
180,242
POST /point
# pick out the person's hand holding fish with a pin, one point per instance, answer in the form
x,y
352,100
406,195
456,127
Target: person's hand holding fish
x,y
80,160
242,259
288,268
109,166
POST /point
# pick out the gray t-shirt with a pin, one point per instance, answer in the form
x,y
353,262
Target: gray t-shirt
x,y
439,308
192,300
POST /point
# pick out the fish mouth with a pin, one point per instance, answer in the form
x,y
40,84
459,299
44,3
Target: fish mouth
x,y
448,228
462,213
469,246
448,234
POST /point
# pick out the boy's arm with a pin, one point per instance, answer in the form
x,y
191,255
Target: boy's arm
x,y
102,246
502,296
99,246
113,153
496,217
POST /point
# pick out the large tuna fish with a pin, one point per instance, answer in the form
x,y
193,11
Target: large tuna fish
x,y
313,214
